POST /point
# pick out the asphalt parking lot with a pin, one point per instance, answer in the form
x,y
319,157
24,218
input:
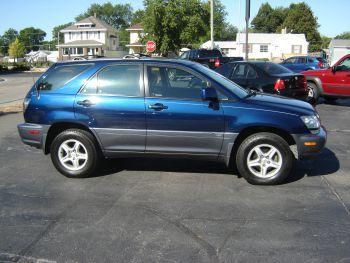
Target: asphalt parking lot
x,y
152,210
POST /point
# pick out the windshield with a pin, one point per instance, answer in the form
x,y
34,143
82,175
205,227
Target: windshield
x,y
228,84
272,68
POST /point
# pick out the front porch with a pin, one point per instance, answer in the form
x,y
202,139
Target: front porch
x,y
85,49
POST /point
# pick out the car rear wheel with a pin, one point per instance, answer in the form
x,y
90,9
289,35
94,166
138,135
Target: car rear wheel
x,y
264,158
313,93
75,154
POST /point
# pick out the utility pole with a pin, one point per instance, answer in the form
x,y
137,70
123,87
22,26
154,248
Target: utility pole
x,y
247,16
212,24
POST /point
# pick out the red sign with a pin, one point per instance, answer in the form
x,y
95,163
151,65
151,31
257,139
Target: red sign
x,y
150,46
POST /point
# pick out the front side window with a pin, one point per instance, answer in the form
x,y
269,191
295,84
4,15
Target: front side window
x,y
60,75
345,65
119,80
251,73
168,82
240,71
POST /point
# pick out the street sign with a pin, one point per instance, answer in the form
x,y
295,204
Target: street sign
x,y
150,46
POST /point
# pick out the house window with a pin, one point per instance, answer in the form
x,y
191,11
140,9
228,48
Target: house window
x,y
66,51
81,35
70,35
296,49
80,51
264,48
87,35
98,34
250,48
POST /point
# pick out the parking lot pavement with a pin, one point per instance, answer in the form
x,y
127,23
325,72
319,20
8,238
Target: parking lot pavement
x,y
151,210
16,85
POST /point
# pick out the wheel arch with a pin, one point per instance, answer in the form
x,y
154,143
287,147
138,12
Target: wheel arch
x,y
58,127
246,132
317,82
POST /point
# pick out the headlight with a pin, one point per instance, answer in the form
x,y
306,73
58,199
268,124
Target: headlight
x,y
25,103
311,122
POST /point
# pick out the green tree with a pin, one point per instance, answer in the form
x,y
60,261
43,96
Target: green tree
x,y
16,49
138,16
325,42
55,32
300,19
268,19
8,37
118,15
32,38
345,35
172,23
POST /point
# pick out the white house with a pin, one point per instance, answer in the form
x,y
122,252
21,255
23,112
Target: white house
x,y
338,48
264,45
136,33
88,37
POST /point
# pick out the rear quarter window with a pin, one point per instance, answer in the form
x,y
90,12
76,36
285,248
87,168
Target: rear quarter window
x,y
61,75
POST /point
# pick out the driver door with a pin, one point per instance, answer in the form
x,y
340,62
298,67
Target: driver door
x,y
178,121
340,83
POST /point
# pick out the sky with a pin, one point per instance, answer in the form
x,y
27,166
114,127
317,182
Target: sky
x,y
46,14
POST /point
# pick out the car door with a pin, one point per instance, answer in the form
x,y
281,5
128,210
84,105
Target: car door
x,y
178,120
340,80
112,104
300,64
289,63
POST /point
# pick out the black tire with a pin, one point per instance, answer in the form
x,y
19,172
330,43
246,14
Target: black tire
x,y
314,91
265,138
91,148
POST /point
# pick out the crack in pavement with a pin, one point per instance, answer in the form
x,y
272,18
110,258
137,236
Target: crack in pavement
x,y
336,194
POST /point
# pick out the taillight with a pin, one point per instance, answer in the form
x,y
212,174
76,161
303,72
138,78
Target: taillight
x,y
320,64
217,63
303,82
279,85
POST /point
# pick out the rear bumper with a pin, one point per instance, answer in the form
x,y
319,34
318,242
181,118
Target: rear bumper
x,y
33,134
309,145
300,94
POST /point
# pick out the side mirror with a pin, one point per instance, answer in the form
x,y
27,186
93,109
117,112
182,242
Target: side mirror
x,y
209,94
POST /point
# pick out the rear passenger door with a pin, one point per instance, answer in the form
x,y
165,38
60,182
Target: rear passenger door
x,y
239,75
112,104
178,120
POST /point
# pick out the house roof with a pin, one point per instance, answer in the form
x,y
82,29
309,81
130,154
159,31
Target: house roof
x,y
266,38
81,43
135,27
99,25
339,43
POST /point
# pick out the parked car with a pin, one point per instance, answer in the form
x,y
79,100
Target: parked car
x,y
266,77
211,58
331,83
80,111
303,63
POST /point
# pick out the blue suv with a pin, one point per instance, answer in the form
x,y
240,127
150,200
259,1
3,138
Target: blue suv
x,y
81,112
304,63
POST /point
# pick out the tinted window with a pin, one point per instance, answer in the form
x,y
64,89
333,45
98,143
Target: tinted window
x,y
209,53
290,61
170,82
240,71
225,82
272,68
251,74
60,75
301,60
226,69
345,65
120,80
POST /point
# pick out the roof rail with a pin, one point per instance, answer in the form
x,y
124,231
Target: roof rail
x,y
131,56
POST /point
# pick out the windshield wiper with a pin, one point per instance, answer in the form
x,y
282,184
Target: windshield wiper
x,y
251,93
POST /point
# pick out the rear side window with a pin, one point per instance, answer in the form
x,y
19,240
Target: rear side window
x,y
226,69
119,80
272,68
61,75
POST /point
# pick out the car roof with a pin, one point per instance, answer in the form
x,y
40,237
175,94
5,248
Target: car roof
x,y
120,60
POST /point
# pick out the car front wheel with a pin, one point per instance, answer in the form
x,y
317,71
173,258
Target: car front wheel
x,y
264,158
74,153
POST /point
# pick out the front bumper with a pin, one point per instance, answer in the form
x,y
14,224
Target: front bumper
x,y
33,134
309,145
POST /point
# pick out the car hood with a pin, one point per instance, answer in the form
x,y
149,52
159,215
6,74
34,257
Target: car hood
x,y
281,104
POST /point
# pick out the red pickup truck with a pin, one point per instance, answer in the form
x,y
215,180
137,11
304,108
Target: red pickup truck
x,y
331,83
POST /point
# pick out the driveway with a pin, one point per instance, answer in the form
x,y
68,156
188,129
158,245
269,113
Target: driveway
x,y
153,210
